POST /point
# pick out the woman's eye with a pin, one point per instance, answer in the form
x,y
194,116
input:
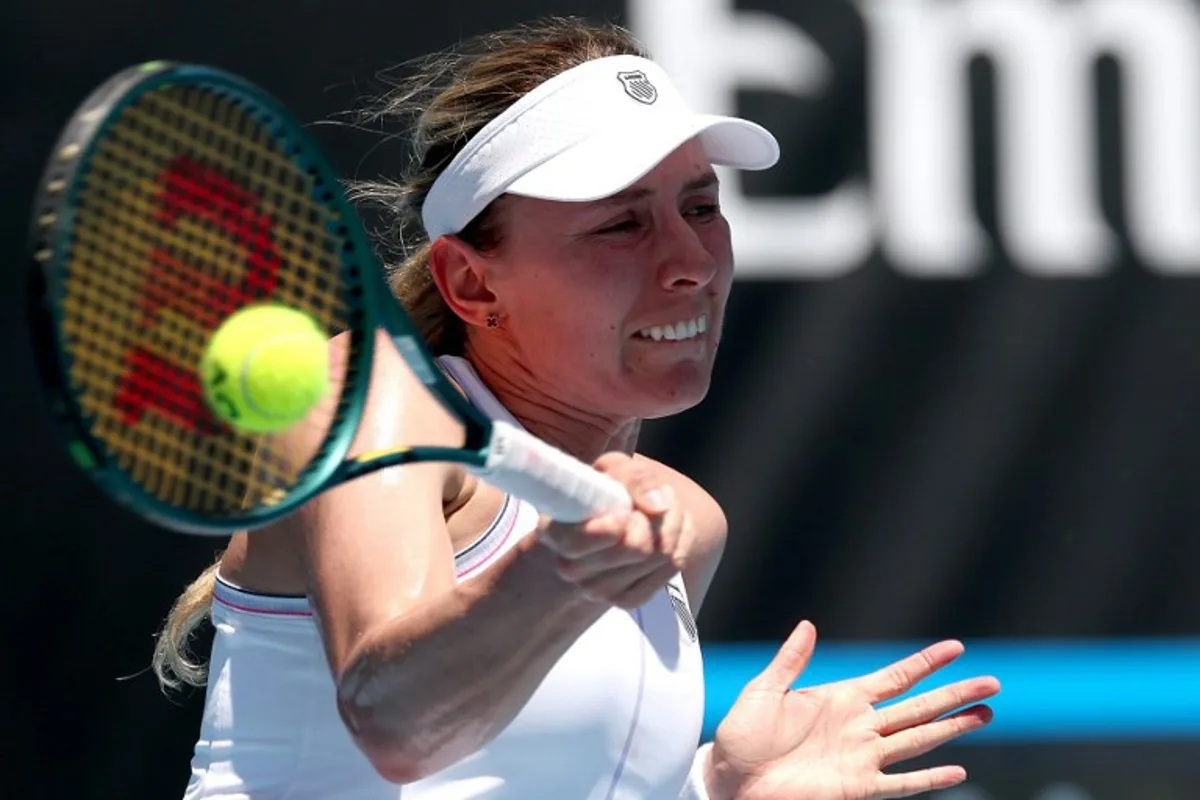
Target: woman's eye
x,y
701,211
623,226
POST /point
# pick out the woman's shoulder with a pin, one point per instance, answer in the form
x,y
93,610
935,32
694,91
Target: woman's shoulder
x,y
707,514
682,483
397,395
710,526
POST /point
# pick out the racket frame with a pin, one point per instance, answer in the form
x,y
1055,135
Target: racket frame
x,y
499,451
50,231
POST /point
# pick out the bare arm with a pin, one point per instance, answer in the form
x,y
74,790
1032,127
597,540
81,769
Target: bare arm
x,y
429,670
426,669
435,684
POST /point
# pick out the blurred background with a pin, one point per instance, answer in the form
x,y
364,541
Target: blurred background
x,y
956,397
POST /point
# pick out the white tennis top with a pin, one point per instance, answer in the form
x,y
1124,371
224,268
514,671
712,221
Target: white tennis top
x,y
619,715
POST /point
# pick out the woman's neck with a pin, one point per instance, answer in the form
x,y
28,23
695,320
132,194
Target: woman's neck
x,y
581,433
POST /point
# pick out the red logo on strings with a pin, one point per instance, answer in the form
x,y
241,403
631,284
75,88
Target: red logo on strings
x,y
191,189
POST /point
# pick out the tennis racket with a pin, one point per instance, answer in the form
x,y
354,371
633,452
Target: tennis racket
x,y
176,195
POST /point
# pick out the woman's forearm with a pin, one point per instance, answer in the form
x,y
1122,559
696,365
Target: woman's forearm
x,y
432,686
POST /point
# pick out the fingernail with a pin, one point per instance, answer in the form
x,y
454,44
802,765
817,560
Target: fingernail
x,y
659,500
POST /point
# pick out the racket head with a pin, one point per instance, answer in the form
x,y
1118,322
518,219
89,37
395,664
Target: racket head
x,y
176,195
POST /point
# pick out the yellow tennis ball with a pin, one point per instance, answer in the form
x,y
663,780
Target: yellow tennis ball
x,y
265,367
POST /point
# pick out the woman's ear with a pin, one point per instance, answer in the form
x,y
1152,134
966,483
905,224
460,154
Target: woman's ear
x,y
461,275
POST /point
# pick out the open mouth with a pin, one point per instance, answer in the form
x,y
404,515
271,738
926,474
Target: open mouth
x,y
678,332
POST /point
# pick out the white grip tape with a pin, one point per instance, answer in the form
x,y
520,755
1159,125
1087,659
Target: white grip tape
x,y
558,485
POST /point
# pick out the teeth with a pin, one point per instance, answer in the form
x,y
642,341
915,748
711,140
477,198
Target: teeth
x,y
678,332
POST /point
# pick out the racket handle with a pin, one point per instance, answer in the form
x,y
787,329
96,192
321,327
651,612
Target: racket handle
x,y
559,485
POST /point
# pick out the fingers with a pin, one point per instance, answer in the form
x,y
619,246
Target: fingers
x,y
642,539
587,538
791,660
648,493
926,780
654,512
898,678
921,739
931,705
623,558
617,589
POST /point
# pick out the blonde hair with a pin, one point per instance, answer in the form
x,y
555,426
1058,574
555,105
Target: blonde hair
x,y
450,97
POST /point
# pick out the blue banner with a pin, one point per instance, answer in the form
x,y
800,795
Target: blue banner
x,y
1053,690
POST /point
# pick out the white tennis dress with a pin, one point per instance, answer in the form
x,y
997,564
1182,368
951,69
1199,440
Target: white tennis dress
x,y
619,715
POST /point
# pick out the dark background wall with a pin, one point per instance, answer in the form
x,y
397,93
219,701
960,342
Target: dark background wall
x,y
1006,456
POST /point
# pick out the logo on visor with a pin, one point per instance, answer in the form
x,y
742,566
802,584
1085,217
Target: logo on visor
x,y
638,86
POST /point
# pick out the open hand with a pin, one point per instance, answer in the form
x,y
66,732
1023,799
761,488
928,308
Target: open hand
x,y
829,742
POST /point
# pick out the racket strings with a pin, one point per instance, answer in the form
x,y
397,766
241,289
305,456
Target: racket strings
x,y
191,208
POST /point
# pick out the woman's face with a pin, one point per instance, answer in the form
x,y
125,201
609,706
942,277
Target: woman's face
x,y
616,305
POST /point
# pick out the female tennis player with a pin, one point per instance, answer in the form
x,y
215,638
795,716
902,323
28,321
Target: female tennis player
x,y
418,632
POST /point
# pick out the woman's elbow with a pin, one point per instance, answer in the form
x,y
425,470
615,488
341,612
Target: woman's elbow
x,y
393,767
387,747
398,725
389,751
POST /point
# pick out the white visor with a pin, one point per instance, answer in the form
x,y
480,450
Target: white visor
x,y
586,134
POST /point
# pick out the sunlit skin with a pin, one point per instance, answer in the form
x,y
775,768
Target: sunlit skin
x,y
573,283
